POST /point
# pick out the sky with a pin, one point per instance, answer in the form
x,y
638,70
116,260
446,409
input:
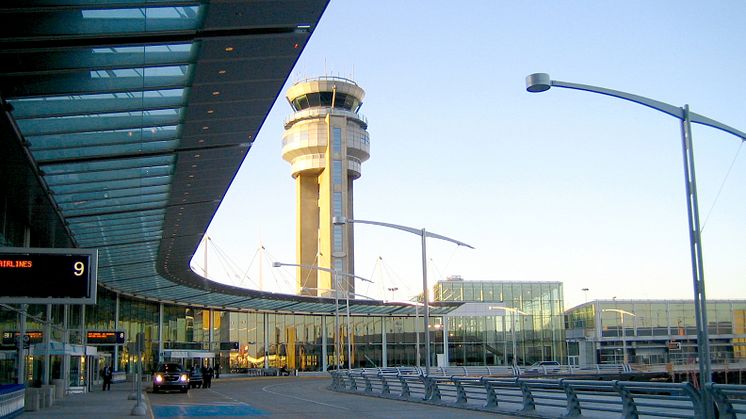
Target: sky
x,y
563,185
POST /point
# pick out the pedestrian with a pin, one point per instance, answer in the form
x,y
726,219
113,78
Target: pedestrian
x,y
208,376
106,374
203,370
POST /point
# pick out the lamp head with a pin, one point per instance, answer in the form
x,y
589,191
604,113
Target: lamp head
x,y
538,82
276,264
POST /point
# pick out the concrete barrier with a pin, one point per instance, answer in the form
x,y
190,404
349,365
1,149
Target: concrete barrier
x,y
59,389
47,395
32,399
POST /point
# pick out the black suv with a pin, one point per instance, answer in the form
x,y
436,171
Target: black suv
x,y
170,376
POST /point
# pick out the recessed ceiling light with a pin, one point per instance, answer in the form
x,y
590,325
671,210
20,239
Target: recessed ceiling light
x,y
210,111
216,93
222,71
228,49
205,128
200,141
196,156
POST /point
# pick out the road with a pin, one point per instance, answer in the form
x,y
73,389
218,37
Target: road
x,y
290,397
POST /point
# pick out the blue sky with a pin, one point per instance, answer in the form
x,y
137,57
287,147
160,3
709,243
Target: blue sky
x,y
559,186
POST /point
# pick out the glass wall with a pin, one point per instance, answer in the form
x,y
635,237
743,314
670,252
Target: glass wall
x,y
659,331
533,318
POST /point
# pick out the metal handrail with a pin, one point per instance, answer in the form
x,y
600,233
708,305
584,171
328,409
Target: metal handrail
x,y
541,397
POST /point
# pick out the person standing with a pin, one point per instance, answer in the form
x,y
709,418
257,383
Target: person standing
x,y
208,376
106,374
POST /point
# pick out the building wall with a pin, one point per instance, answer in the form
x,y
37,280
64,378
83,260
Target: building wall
x,y
532,317
656,331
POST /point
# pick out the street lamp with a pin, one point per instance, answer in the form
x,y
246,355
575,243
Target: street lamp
x,y
540,82
585,290
423,235
336,304
624,334
393,290
514,311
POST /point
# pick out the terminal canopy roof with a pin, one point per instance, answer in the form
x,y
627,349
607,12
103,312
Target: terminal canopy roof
x,y
125,121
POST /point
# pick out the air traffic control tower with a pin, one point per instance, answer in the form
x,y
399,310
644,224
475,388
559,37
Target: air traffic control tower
x,y
325,141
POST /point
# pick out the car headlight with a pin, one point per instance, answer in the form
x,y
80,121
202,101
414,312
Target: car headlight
x,y
158,378
184,378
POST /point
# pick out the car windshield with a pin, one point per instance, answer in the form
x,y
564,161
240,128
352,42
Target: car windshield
x,y
170,368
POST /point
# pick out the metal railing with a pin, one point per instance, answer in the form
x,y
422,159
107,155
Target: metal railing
x,y
541,397
12,400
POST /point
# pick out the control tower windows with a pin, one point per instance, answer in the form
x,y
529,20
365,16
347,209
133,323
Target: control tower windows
x,y
324,99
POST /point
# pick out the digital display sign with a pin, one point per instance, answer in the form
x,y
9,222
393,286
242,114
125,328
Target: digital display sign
x,y
48,276
105,337
11,338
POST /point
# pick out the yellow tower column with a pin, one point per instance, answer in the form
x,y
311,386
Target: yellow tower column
x,y
325,141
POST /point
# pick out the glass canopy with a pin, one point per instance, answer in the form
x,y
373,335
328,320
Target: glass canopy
x,y
137,114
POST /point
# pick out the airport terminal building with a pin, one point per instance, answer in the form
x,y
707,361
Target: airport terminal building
x,y
121,127
654,332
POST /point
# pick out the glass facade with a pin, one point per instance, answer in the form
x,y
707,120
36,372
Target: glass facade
x,y
654,331
242,340
529,314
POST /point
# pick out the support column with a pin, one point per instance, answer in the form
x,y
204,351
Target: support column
x,y
66,341
446,356
21,347
115,361
324,364
211,335
47,339
266,340
384,344
160,332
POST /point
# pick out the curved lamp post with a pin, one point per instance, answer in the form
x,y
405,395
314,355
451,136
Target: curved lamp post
x,y
624,334
540,82
336,304
424,235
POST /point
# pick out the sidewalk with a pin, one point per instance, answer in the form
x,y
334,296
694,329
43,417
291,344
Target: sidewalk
x,y
97,404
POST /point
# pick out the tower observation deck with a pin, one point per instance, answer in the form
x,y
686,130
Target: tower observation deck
x,y
325,141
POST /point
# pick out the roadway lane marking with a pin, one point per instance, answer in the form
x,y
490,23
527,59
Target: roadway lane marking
x,y
266,390
197,410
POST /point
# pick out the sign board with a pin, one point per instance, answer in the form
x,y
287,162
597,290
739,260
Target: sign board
x,y
228,346
674,346
33,336
48,276
104,337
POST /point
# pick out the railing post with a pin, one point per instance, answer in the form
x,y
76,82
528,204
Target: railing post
x,y
405,394
491,394
368,385
724,406
528,399
460,392
696,398
432,392
573,404
385,389
629,408
353,382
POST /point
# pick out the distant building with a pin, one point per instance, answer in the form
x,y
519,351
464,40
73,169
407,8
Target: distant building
x,y
325,141
498,313
653,331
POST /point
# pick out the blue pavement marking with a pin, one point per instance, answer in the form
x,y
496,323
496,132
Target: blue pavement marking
x,y
196,410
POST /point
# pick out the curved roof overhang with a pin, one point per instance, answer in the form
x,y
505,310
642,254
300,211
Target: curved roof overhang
x,y
129,121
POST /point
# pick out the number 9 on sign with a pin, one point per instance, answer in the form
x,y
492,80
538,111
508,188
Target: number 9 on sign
x,y
79,268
